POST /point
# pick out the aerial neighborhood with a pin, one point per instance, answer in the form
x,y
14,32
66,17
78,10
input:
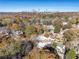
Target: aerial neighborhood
x,y
39,35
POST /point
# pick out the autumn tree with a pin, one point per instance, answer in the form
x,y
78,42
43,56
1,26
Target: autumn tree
x,y
14,26
67,26
70,35
58,25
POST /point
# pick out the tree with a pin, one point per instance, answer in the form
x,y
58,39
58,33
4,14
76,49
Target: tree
x,y
57,29
41,31
58,25
54,45
58,22
66,18
74,21
15,26
71,54
46,21
69,35
10,49
25,21
29,30
67,26
77,21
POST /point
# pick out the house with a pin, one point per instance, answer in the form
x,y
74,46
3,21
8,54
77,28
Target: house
x,y
17,32
60,48
58,38
42,41
50,27
4,31
16,35
76,49
77,25
65,23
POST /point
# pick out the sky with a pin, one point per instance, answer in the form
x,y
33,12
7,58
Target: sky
x,y
39,5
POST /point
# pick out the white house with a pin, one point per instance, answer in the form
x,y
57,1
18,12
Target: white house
x,y
4,31
58,38
65,23
17,33
60,50
43,41
50,27
78,26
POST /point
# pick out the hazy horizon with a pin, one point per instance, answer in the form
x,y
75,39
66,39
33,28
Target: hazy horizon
x,y
39,5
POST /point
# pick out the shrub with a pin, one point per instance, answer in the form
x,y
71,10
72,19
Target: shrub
x,y
54,45
57,29
30,30
71,54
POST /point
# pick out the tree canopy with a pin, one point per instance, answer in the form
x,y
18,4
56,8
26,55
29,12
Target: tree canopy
x,y
71,54
30,30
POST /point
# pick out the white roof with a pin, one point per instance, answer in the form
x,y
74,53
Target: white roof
x,y
43,41
64,23
41,37
60,48
50,27
78,26
41,44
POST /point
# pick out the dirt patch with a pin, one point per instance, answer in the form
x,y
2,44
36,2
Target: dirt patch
x,y
40,54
